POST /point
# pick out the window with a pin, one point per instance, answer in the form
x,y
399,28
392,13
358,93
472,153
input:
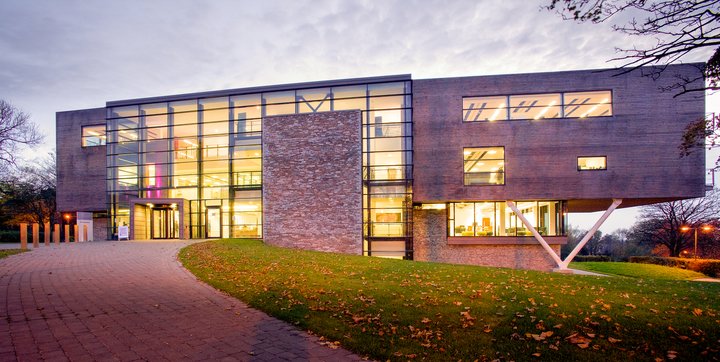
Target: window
x,y
587,104
495,218
538,106
484,166
592,163
93,135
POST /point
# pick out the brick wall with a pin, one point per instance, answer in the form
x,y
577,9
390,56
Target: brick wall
x,y
640,141
80,171
312,185
430,244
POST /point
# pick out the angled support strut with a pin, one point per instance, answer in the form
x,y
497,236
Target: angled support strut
x,y
563,264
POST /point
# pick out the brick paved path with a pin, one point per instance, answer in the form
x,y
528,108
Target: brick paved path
x,y
133,301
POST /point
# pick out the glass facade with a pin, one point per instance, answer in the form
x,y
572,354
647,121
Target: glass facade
x,y
209,151
537,106
495,218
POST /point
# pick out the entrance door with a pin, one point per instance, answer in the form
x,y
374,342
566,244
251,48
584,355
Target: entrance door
x,y
164,223
213,222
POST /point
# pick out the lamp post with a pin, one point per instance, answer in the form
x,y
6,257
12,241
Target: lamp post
x,y
695,228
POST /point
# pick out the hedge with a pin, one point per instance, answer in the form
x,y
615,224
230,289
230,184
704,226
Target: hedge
x,y
709,267
582,258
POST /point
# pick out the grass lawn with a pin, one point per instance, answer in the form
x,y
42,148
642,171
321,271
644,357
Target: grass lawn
x,y
4,253
636,270
400,310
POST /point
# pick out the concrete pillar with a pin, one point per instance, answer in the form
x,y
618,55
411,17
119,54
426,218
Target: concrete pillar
x,y
36,235
46,228
75,232
23,236
56,234
67,233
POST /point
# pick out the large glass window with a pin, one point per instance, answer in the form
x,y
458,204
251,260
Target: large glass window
x,y
492,218
93,135
538,106
209,152
484,165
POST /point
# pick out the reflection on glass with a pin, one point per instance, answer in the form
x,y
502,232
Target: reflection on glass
x,y
484,109
588,104
535,106
484,165
93,135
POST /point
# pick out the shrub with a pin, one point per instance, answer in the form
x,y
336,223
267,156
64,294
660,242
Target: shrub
x,y
9,236
583,258
709,267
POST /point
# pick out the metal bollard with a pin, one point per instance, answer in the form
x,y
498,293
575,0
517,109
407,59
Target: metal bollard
x,y
56,234
75,232
67,233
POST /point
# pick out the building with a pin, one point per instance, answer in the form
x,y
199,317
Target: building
x,y
477,170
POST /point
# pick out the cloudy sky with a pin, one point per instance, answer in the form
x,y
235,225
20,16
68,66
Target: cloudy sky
x,y
63,55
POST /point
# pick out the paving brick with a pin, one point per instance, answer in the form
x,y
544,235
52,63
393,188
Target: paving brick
x,y
133,301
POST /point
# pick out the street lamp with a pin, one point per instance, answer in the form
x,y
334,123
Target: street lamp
x,y
705,228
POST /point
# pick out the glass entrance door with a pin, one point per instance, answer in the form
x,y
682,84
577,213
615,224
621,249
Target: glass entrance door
x,y
164,223
213,222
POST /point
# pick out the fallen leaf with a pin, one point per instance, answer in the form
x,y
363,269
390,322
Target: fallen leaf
x,y
613,340
697,312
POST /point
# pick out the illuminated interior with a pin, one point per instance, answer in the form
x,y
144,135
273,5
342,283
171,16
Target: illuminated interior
x,y
492,218
209,151
484,165
538,106
592,163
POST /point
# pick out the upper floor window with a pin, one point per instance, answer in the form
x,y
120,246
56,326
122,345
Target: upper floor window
x,y
537,106
592,163
484,165
93,135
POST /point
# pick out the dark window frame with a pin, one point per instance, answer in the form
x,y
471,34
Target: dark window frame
x,y
102,136
504,172
562,105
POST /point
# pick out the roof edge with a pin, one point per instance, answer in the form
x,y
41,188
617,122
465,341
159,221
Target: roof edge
x,y
268,88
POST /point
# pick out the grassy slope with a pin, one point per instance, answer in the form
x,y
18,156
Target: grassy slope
x,y
394,309
636,270
4,253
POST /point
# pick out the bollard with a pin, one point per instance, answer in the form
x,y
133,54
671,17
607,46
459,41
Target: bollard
x,y
75,232
36,235
67,233
46,227
56,234
85,232
23,236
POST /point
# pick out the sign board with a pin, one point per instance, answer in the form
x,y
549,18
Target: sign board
x,y
123,232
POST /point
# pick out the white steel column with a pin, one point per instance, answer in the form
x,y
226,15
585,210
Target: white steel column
x,y
537,236
566,262
562,265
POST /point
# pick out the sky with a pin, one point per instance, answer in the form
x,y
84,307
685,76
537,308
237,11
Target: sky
x,y
64,55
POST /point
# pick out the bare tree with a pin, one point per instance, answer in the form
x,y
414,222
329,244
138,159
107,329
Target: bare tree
x,y
662,224
16,131
678,28
28,193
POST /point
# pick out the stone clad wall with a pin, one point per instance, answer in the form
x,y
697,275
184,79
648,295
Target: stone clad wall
x,y
430,244
312,181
